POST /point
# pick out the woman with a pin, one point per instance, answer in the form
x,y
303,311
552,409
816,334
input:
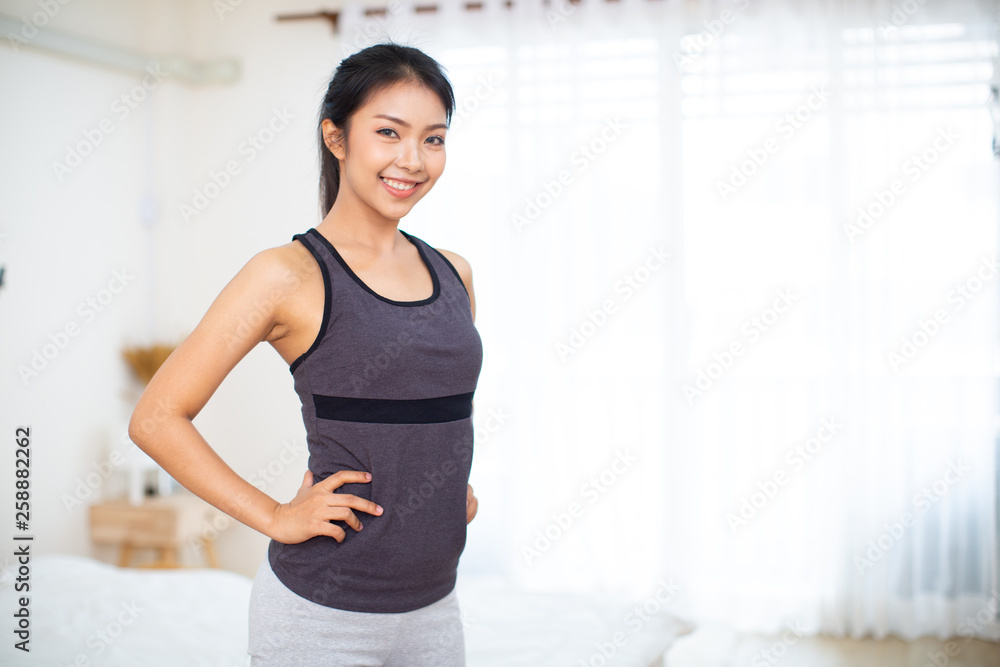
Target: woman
x,y
378,330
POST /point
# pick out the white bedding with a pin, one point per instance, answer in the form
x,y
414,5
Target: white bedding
x,y
89,614
180,618
510,628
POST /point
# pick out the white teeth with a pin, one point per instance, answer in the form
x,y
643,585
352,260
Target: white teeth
x,y
398,185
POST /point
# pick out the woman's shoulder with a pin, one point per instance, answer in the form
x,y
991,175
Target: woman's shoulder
x,y
461,265
282,268
464,271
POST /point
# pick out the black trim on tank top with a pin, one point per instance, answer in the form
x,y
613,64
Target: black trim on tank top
x,y
453,270
430,268
394,411
327,301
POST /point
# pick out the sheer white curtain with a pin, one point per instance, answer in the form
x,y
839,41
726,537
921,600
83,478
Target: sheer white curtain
x,y
735,271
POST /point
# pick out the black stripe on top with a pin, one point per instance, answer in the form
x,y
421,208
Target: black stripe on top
x,y
394,411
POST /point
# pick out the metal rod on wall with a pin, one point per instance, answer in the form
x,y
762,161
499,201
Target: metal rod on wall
x,y
86,49
334,17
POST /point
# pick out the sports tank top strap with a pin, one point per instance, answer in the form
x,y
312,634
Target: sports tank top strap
x,y
444,275
320,249
439,259
324,266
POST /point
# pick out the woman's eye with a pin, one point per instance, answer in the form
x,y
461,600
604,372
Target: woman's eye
x,y
437,139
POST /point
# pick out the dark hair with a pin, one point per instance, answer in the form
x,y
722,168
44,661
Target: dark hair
x,y
356,80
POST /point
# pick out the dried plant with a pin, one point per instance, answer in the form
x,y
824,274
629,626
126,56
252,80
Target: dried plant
x,y
145,361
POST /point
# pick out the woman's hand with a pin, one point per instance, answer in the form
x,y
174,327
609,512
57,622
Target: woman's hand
x,y
471,506
309,513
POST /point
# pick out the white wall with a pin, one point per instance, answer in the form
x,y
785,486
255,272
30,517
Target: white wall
x,y
62,241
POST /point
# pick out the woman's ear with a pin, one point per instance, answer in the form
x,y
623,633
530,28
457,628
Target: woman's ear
x,y
333,137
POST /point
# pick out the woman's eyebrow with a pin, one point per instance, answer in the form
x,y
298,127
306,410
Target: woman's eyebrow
x,y
402,122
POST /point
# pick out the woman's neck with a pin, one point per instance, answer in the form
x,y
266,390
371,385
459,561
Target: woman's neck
x,y
359,224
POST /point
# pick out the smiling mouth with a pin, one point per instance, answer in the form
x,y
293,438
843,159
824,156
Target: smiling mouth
x,y
398,185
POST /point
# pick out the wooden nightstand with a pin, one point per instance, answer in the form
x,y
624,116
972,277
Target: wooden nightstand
x,y
165,523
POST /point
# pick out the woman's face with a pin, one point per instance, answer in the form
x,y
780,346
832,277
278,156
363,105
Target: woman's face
x,y
395,150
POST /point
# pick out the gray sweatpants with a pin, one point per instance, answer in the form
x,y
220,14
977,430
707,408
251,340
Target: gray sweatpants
x,y
287,630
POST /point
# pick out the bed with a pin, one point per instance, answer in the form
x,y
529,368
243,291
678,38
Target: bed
x,y
87,613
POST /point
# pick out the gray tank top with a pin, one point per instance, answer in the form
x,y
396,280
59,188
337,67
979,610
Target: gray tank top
x,y
387,388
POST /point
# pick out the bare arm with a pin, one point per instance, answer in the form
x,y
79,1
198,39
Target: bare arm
x,y
245,313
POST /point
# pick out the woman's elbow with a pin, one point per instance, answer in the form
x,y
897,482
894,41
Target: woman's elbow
x,y
145,421
137,431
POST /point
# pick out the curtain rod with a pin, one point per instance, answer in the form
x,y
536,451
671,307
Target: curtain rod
x,y
334,17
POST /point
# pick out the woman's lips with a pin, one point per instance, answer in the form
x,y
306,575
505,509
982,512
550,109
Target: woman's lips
x,y
399,194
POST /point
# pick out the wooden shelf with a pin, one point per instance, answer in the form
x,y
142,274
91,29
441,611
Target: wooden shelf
x,y
165,524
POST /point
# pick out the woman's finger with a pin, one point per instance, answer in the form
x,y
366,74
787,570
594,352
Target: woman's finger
x,y
338,479
331,530
346,515
355,502
471,507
